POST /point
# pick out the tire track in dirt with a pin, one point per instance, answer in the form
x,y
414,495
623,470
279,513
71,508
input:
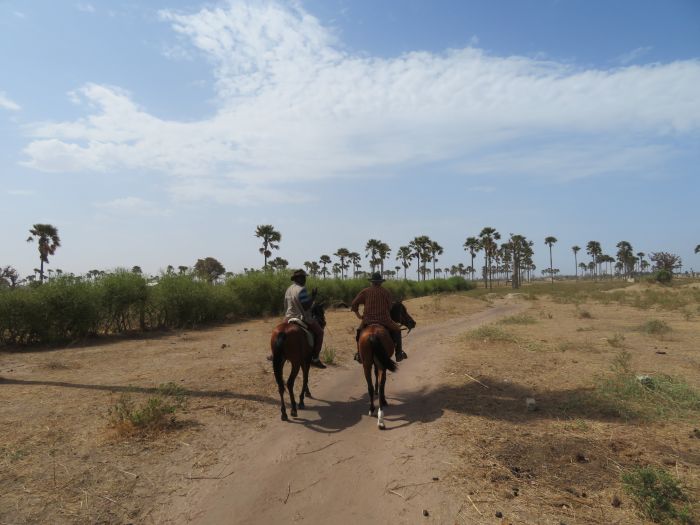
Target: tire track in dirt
x,y
332,464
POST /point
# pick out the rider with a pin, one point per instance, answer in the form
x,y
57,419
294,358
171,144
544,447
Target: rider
x,y
297,304
377,307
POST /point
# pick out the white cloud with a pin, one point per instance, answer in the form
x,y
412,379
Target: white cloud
x,y
20,193
294,107
631,56
85,8
132,206
19,14
6,103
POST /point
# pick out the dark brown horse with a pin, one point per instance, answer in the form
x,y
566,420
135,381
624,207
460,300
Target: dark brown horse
x,y
376,349
289,343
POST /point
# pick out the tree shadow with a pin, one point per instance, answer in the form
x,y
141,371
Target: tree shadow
x,y
221,394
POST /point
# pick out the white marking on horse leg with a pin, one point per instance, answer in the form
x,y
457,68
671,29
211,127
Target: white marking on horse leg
x,y
380,418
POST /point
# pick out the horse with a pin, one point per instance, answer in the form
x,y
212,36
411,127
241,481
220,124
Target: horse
x,y
290,343
376,348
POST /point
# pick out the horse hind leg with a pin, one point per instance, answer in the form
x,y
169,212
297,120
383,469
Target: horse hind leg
x,y
376,380
370,386
290,388
382,384
278,365
305,385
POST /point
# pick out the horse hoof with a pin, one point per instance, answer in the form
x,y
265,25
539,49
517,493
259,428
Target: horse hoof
x,y
308,394
302,406
381,426
294,413
284,417
371,413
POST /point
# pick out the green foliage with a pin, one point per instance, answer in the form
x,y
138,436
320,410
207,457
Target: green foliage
x,y
662,276
625,394
616,341
328,355
72,308
518,319
155,414
656,493
655,327
491,334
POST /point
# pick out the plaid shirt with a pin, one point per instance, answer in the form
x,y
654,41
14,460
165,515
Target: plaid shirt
x,y
377,302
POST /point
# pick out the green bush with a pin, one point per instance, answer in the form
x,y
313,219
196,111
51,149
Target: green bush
x,y
656,492
662,276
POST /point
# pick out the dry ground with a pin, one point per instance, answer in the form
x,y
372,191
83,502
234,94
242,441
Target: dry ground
x,y
462,420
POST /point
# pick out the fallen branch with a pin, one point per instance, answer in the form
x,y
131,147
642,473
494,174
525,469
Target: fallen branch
x,y
473,505
399,495
210,477
475,379
289,489
342,460
307,487
412,485
318,449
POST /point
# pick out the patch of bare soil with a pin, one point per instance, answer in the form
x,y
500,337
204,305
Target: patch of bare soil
x,y
460,445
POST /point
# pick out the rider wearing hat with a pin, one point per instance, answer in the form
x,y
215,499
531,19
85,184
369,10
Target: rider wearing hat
x,y
377,303
297,304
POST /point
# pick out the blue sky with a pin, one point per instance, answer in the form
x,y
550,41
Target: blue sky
x,y
159,133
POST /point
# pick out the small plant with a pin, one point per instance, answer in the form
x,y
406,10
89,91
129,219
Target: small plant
x,y
584,314
155,414
662,276
328,355
656,494
655,327
172,389
616,341
492,334
518,319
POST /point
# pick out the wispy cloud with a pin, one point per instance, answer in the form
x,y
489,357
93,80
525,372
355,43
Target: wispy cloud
x,y
20,193
293,106
132,206
19,14
6,103
634,55
85,8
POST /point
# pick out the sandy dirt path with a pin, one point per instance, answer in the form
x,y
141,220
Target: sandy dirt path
x,y
332,464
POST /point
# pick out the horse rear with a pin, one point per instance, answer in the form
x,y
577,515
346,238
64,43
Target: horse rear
x,y
289,343
376,348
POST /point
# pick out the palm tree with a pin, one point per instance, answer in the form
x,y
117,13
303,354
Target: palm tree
x,y
383,252
549,241
435,250
404,255
355,259
473,245
488,237
270,237
324,260
594,250
575,249
372,249
697,249
583,267
342,254
420,246
640,258
48,240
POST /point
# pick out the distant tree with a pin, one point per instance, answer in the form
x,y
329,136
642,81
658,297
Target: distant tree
x,y
576,249
435,250
697,249
420,247
472,245
209,269
404,256
356,260
488,237
625,255
270,240
324,260
8,277
666,261
278,264
640,258
594,250
550,241
336,270
48,241
583,267
182,269
170,269
342,254
136,270
383,252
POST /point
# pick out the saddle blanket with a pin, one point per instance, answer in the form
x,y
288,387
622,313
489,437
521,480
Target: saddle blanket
x,y
301,324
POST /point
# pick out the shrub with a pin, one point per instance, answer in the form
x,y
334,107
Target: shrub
x,y
157,413
656,492
662,276
518,319
655,327
492,334
328,355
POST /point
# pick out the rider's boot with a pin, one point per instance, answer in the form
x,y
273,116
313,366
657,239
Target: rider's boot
x,y
398,346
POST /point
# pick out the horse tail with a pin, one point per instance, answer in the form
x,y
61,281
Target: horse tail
x,y
380,354
278,357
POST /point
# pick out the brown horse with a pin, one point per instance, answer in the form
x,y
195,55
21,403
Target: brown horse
x,y
376,349
289,343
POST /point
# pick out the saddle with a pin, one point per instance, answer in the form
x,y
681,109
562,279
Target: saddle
x,y
301,324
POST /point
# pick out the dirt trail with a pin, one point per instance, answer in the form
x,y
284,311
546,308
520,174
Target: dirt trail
x,y
332,463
